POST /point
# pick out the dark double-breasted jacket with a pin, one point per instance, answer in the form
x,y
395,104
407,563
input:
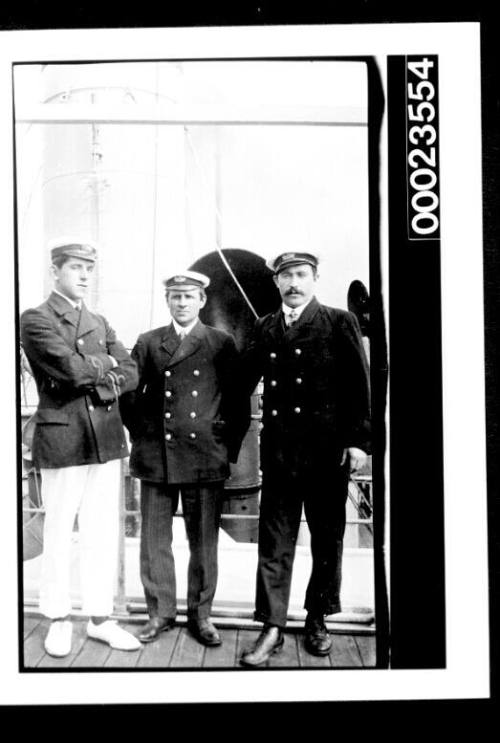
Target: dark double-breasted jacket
x,y
316,389
188,416
78,419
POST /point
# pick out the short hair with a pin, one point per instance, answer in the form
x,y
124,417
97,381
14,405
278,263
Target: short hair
x,y
61,260
170,289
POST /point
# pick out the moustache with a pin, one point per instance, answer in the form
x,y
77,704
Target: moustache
x,y
293,291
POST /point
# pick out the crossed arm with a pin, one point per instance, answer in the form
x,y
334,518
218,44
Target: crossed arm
x,y
50,354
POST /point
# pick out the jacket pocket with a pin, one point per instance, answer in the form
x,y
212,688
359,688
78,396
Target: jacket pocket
x,y
51,415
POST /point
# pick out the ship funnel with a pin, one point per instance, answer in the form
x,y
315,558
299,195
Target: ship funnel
x,y
234,291
241,287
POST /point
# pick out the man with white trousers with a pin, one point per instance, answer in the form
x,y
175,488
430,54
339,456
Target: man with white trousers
x,y
80,369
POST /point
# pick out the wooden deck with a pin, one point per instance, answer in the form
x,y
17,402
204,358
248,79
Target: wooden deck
x,y
178,650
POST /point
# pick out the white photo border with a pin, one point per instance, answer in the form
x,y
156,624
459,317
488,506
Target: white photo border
x,y
458,46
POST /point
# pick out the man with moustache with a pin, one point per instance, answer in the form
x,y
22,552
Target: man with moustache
x,y
186,420
80,369
315,433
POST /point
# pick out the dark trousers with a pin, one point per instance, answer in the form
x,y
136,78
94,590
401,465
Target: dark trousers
x,y
201,506
280,512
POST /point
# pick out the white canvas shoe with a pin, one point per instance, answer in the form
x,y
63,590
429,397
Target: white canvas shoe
x,y
115,636
58,640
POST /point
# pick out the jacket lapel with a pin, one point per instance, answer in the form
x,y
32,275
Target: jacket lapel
x,y
188,346
63,309
87,322
169,341
275,328
305,320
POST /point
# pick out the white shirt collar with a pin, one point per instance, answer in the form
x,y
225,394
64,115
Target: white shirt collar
x,y
298,310
75,305
183,329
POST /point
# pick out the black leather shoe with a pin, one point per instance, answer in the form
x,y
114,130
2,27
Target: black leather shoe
x,y
156,625
204,631
269,642
317,640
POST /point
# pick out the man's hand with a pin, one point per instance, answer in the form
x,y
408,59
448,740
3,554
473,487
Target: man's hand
x,y
357,458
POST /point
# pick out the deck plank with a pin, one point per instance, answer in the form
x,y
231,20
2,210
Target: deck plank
x,y
158,654
78,640
92,655
178,649
124,658
188,652
33,646
306,660
344,652
223,656
367,647
29,624
288,657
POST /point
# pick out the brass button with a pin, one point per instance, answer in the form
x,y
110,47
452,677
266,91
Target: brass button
x,y
298,380
194,393
196,373
273,383
192,414
91,408
109,408
168,393
274,412
296,410
298,351
168,374
168,416
192,435
80,341
272,355
168,436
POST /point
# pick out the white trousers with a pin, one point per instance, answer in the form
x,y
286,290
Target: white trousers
x,y
92,492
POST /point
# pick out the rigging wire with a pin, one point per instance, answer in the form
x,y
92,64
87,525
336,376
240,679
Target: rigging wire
x,y
155,202
217,211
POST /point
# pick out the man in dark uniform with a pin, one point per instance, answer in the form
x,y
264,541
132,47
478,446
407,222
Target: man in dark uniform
x,y
186,422
315,432
80,369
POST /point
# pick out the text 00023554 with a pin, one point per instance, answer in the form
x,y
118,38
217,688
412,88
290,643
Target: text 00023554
x,y
422,126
